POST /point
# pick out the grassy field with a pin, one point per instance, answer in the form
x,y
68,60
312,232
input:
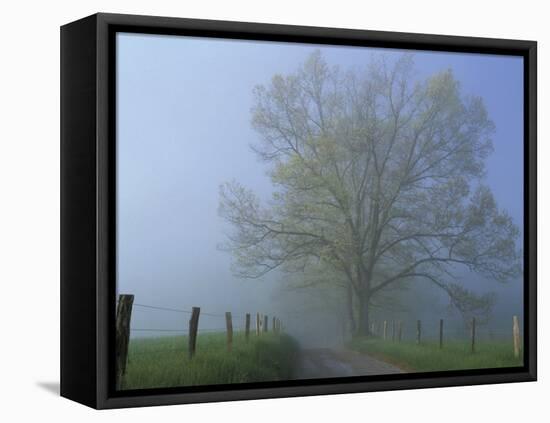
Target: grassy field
x,y
426,357
163,362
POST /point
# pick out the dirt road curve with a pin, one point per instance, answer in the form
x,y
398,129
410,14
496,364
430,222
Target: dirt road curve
x,y
325,362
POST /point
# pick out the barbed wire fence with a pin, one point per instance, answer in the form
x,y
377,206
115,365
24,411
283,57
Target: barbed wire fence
x,y
398,331
125,306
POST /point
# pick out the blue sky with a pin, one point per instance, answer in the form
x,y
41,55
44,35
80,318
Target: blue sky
x,y
183,128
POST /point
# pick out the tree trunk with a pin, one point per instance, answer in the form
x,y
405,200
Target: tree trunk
x,y
349,310
363,328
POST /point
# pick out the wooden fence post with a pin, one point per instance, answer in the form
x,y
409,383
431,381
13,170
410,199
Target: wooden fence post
x,y
400,331
473,334
515,332
229,327
393,330
193,328
266,323
440,333
385,329
247,327
273,323
123,318
418,331
257,324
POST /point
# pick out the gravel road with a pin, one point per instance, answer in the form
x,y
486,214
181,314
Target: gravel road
x,y
328,362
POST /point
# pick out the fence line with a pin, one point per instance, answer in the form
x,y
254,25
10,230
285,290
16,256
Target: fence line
x,y
125,304
472,333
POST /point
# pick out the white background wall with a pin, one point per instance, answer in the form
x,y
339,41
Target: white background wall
x,y
29,212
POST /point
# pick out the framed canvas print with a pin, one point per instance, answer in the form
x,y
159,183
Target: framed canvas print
x,y
255,211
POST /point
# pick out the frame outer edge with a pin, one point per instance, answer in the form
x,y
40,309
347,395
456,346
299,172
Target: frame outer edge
x,y
103,208
532,228
78,215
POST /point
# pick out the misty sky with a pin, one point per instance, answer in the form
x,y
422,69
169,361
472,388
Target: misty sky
x,y
183,128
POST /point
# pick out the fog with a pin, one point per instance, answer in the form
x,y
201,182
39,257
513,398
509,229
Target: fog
x,y
184,128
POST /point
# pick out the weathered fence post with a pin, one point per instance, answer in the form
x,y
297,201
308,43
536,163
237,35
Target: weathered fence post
x,y
393,330
400,331
418,331
440,333
515,331
229,327
193,328
266,323
473,334
385,329
273,323
258,324
123,318
247,326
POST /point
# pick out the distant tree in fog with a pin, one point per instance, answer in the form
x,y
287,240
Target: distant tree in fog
x,y
377,176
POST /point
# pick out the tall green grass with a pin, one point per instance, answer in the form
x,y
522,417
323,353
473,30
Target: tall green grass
x,y
164,362
427,356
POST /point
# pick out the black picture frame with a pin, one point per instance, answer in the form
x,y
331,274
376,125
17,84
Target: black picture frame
x,y
88,209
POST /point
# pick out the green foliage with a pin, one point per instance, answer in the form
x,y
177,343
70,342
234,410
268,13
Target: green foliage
x,y
427,357
164,362
378,176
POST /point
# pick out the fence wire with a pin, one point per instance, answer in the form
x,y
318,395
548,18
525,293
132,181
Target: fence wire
x,y
178,310
186,331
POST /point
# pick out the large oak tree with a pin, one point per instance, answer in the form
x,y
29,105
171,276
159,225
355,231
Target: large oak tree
x,y
377,176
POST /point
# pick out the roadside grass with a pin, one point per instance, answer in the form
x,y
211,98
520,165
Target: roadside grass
x,y
164,362
428,357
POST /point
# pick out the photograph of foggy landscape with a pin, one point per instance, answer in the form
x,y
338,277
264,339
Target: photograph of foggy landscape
x,y
293,211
